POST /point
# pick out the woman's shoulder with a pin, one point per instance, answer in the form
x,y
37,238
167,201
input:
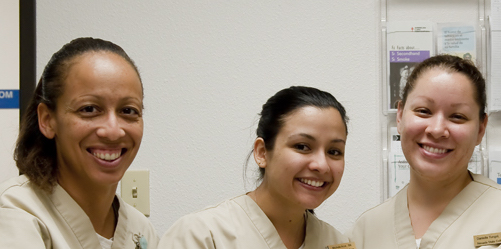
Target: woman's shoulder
x,y
18,192
382,212
215,213
23,215
197,229
380,209
14,182
322,231
482,180
486,194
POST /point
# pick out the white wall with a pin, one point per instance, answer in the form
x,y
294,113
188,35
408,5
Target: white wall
x,y
208,66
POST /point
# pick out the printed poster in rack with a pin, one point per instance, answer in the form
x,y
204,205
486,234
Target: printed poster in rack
x,y
408,43
457,39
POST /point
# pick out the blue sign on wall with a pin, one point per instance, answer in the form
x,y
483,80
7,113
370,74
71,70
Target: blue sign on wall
x,y
9,99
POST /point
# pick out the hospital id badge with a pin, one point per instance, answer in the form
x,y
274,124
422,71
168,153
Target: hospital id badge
x,y
350,245
487,239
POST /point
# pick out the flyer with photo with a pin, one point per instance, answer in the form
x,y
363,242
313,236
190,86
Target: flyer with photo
x,y
408,43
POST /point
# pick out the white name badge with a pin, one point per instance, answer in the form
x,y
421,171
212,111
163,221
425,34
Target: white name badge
x,y
350,245
487,239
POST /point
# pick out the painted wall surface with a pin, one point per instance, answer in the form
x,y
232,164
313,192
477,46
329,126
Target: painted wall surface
x,y
9,71
209,66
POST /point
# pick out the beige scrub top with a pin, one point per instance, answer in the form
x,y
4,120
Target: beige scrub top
x,y
474,211
240,223
31,218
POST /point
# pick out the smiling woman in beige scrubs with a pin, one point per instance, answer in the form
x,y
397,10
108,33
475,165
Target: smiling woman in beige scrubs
x,y
82,131
441,119
300,148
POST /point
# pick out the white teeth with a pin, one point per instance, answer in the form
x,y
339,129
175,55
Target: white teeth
x,y
312,183
107,157
434,150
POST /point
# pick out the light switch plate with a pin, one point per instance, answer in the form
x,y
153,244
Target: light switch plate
x,y
137,183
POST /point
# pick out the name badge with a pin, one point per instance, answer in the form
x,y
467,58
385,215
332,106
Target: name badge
x,y
487,239
350,245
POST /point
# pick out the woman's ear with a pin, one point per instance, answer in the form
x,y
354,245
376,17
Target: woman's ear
x,y
400,110
45,121
260,152
481,129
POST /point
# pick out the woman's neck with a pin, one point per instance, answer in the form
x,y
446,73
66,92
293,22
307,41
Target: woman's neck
x,y
288,221
96,202
427,199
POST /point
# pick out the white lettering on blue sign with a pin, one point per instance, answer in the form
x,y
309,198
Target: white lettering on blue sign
x,y
6,94
9,99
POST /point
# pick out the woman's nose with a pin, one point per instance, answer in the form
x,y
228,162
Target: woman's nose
x,y
319,163
111,128
437,127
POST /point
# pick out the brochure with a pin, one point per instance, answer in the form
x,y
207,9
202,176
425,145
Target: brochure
x,y
408,43
457,39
